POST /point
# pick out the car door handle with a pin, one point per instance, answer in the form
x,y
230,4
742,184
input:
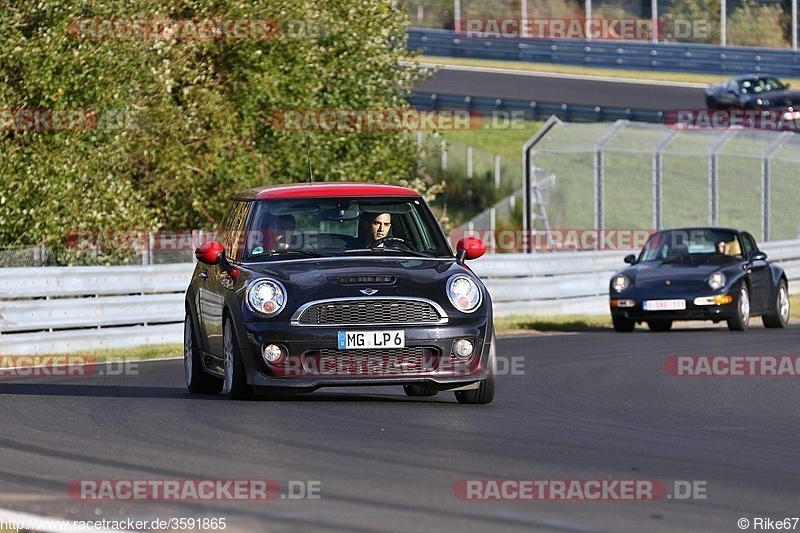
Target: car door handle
x,y
204,275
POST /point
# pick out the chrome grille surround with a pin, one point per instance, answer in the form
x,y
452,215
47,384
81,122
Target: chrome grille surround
x,y
369,311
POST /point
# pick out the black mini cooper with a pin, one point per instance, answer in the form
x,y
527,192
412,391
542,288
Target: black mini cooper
x,y
337,284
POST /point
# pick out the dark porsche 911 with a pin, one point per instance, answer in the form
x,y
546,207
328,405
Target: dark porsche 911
x,y
335,284
699,274
753,91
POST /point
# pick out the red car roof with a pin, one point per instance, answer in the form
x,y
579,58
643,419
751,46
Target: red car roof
x,y
324,190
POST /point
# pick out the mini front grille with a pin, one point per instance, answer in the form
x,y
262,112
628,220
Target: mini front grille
x,y
369,312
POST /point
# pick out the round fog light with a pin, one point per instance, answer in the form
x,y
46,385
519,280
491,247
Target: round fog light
x,y
463,348
272,353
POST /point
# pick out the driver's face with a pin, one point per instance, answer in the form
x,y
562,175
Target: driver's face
x,y
380,226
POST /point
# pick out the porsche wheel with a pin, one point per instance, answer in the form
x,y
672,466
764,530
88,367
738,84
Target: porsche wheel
x,y
779,317
197,381
741,321
659,325
235,375
623,325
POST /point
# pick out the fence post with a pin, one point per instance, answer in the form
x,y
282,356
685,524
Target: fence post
x,y
713,176
469,162
765,182
444,154
658,178
496,171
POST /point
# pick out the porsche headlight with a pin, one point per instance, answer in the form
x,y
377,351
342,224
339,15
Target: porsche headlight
x,y
717,280
620,283
266,297
464,293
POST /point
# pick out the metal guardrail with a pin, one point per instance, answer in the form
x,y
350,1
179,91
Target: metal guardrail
x,y
69,309
533,110
673,57
72,309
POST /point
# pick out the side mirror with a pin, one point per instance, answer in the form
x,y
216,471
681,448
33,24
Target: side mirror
x,y
758,256
210,252
630,259
469,248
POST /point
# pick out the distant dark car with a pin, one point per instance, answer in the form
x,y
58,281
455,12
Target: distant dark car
x,y
753,91
336,284
706,273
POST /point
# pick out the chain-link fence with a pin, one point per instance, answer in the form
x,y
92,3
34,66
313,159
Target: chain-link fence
x,y
629,175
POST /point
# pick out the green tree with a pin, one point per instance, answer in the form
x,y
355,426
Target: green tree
x,y
197,115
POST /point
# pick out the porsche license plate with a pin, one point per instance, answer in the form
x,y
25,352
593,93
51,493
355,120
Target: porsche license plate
x,y
363,340
664,305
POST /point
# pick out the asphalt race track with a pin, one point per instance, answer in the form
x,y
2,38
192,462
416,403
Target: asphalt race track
x,y
595,405
565,90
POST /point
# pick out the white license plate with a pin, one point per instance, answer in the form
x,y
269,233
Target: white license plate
x,y
664,305
363,340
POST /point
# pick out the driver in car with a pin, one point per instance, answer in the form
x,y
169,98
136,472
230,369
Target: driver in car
x,y
377,227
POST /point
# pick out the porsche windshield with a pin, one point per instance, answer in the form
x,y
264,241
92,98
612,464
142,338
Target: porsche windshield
x,y
321,227
701,244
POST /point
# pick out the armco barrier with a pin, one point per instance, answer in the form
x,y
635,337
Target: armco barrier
x,y
70,309
533,110
638,55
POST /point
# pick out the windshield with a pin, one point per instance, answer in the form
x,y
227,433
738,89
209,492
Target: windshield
x,y
322,227
701,244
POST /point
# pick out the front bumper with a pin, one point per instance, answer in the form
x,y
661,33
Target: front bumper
x,y
632,308
313,359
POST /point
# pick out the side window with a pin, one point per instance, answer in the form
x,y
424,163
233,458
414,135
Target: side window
x,y
749,244
233,229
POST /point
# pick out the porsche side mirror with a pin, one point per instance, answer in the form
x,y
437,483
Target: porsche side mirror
x,y
630,259
469,248
758,256
210,252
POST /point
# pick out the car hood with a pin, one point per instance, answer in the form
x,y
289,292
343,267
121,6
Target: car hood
x,y
680,275
311,279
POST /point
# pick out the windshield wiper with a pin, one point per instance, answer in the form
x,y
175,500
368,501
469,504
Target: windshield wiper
x,y
307,253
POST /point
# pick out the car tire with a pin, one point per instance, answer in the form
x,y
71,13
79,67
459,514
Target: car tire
x,y
623,325
235,376
779,317
659,325
741,320
197,380
416,390
485,391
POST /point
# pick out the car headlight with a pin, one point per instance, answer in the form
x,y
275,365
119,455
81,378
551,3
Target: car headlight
x,y
464,293
717,280
266,297
620,283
